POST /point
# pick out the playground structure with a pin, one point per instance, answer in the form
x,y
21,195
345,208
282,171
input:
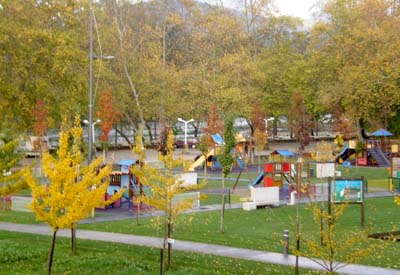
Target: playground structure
x,y
279,179
211,158
377,150
283,173
123,178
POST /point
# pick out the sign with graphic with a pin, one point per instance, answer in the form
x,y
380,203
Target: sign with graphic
x,y
347,190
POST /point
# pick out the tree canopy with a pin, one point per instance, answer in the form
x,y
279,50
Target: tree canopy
x,y
177,58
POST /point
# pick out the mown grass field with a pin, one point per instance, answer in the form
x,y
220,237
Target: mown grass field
x,y
262,229
26,254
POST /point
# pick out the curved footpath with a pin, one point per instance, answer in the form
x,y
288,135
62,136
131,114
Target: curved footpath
x,y
220,250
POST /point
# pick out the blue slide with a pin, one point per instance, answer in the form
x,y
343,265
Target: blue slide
x,y
135,188
240,162
258,179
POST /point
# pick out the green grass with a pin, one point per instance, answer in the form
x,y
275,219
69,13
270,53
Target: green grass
x,y
369,173
262,229
18,217
29,217
212,199
26,254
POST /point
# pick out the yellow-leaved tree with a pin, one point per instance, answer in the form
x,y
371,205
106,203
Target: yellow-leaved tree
x,y
332,250
11,178
164,186
73,188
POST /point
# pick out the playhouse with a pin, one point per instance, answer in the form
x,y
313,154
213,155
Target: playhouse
x,y
122,177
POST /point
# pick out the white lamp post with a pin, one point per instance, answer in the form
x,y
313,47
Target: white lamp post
x,y
186,123
91,57
91,130
266,124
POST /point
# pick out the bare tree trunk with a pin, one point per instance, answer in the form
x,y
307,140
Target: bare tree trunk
x,y
170,234
162,271
73,239
205,167
137,209
221,228
51,252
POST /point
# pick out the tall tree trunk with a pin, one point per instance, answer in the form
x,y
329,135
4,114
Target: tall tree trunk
x,y
51,252
120,26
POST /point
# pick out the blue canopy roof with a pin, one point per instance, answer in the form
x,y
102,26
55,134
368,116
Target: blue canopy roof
x,y
126,162
381,133
217,139
285,153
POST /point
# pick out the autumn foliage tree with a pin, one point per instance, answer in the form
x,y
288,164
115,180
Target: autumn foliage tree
x,y
73,190
332,246
11,178
214,124
300,120
108,114
163,148
227,161
165,187
40,113
259,130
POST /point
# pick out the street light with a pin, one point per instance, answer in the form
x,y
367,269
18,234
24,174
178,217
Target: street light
x,y
90,122
91,57
186,123
91,129
266,124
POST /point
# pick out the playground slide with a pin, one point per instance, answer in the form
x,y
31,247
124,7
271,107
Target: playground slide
x,y
135,188
200,161
345,153
240,162
258,179
380,157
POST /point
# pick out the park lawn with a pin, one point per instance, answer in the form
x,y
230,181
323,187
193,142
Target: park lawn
x,y
18,217
213,199
26,254
369,173
262,229
30,218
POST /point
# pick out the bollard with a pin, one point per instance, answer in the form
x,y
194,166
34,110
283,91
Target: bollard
x,y
292,198
285,242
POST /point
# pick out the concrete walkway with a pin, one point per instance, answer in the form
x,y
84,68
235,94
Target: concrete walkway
x,y
211,249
